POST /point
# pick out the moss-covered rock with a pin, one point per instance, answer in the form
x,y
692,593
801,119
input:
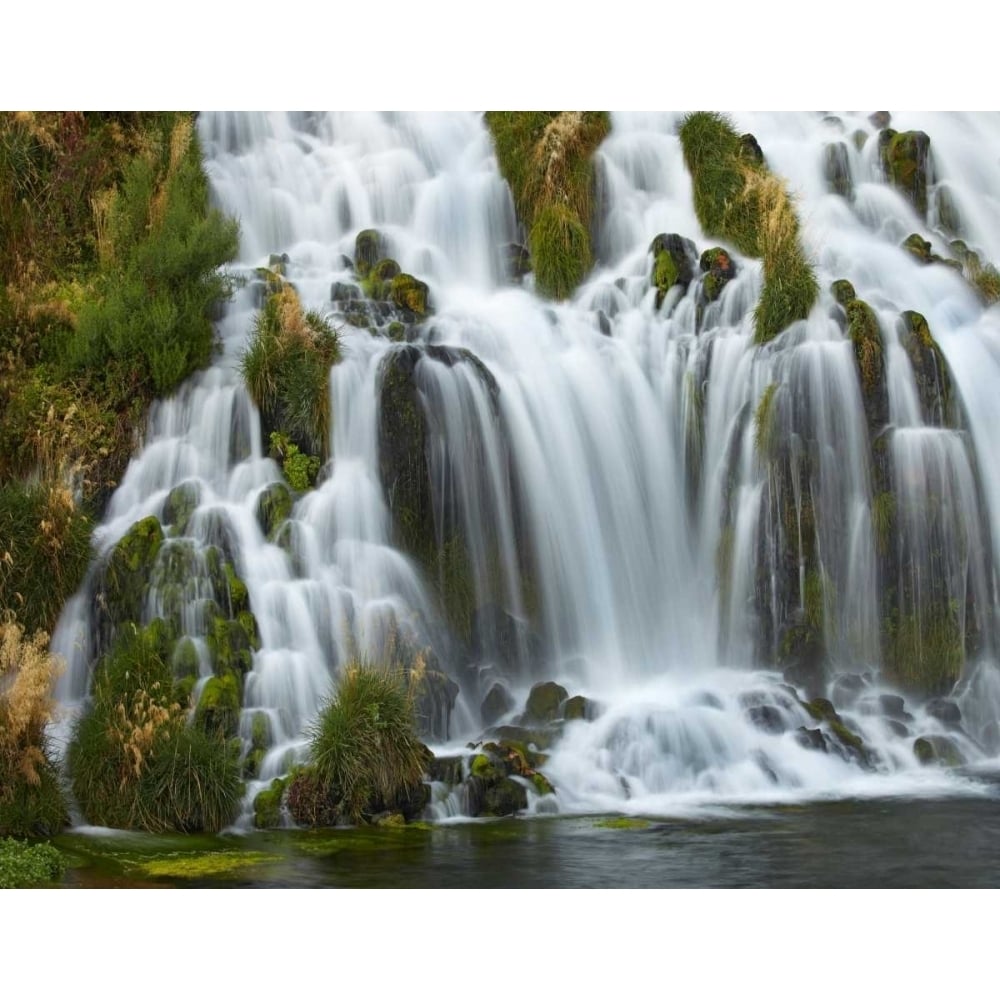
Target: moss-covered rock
x,y
869,356
410,293
180,504
544,701
232,642
843,291
946,210
924,651
497,703
124,580
267,805
938,750
930,370
719,269
579,707
274,504
218,708
674,260
433,694
920,249
516,261
369,249
906,159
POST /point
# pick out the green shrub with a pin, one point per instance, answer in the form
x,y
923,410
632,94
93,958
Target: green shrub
x,y
135,762
161,247
363,747
738,199
286,367
546,158
23,865
44,551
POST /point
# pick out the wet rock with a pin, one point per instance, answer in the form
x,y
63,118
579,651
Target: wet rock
x,y
433,694
719,269
938,750
946,210
343,292
544,702
766,718
945,711
906,161
812,739
274,504
603,323
500,637
930,370
750,149
218,708
579,707
369,248
123,584
517,261
897,728
846,689
540,737
410,294
846,742
267,805
880,119
448,770
180,504
674,261
843,291
837,169
497,703
893,707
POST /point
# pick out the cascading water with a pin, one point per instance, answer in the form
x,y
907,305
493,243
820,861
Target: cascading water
x,y
602,461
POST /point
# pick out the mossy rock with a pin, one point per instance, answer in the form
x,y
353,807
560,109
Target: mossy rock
x,y
938,750
274,505
261,733
920,249
542,784
516,261
129,566
843,291
930,370
433,695
674,261
185,661
369,249
344,292
396,331
505,797
544,701
410,293
231,643
949,218
850,744
541,737
181,503
924,652
385,270
719,269
906,161
267,805
448,770
497,703
750,149
487,768
218,708
578,707
869,356
837,169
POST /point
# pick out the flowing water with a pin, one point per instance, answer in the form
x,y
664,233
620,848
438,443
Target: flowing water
x,y
607,462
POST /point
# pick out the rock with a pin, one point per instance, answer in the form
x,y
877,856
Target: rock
x,y
719,269
880,119
120,595
231,643
544,701
277,262
946,210
920,249
930,370
516,260
410,294
385,270
906,161
369,248
893,707
898,728
674,259
750,149
497,703
846,688
579,707
181,503
938,750
847,743
497,636
267,805
448,770
945,711
500,798
542,738
433,694
837,169
218,708
344,292
274,504
767,718
812,739
603,323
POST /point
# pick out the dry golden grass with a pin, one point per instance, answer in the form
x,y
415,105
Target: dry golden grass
x,y
28,671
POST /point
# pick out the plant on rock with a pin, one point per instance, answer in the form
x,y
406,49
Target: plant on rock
x,y
365,757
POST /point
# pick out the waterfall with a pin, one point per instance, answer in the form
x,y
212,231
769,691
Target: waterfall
x,y
603,462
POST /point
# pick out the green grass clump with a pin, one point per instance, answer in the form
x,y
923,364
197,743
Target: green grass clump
x,y
286,368
23,865
364,749
136,763
160,247
546,158
738,199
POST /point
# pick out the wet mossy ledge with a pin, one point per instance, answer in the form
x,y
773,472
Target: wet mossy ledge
x,y
738,199
546,158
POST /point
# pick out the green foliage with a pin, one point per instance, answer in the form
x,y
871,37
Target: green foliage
x,y
883,519
286,367
44,551
23,865
364,748
159,278
738,199
924,649
765,424
135,763
300,469
546,158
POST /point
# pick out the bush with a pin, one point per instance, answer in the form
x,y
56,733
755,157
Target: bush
x,y
546,158
135,762
160,247
23,865
286,367
44,551
31,799
738,199
364,750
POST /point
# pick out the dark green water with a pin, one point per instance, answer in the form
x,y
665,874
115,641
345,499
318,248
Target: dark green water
x,y
929,843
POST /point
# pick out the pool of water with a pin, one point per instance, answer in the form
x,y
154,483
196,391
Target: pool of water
x,y
897,843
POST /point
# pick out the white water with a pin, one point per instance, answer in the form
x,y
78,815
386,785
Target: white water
x,y
591,449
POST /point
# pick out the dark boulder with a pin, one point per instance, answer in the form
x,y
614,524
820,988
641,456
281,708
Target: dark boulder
x,y
497,703
544,701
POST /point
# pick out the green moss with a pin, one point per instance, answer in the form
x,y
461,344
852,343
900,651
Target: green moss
x,y
843,291
542,784
924,651
410,293
738,199
369,248
544,701
905,159
883,519
129,566
622,823
930,370
210,864
218,708
545,157
231,644
863,330
274,505
23,865
267,805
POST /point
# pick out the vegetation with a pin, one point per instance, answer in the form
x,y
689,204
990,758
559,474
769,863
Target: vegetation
x,y
31,799
134,760
905,159
23,865
545,157
286,368
765,423
738,199
924,649
365,757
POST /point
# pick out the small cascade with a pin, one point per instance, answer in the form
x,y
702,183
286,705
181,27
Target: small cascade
x,y
741,558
